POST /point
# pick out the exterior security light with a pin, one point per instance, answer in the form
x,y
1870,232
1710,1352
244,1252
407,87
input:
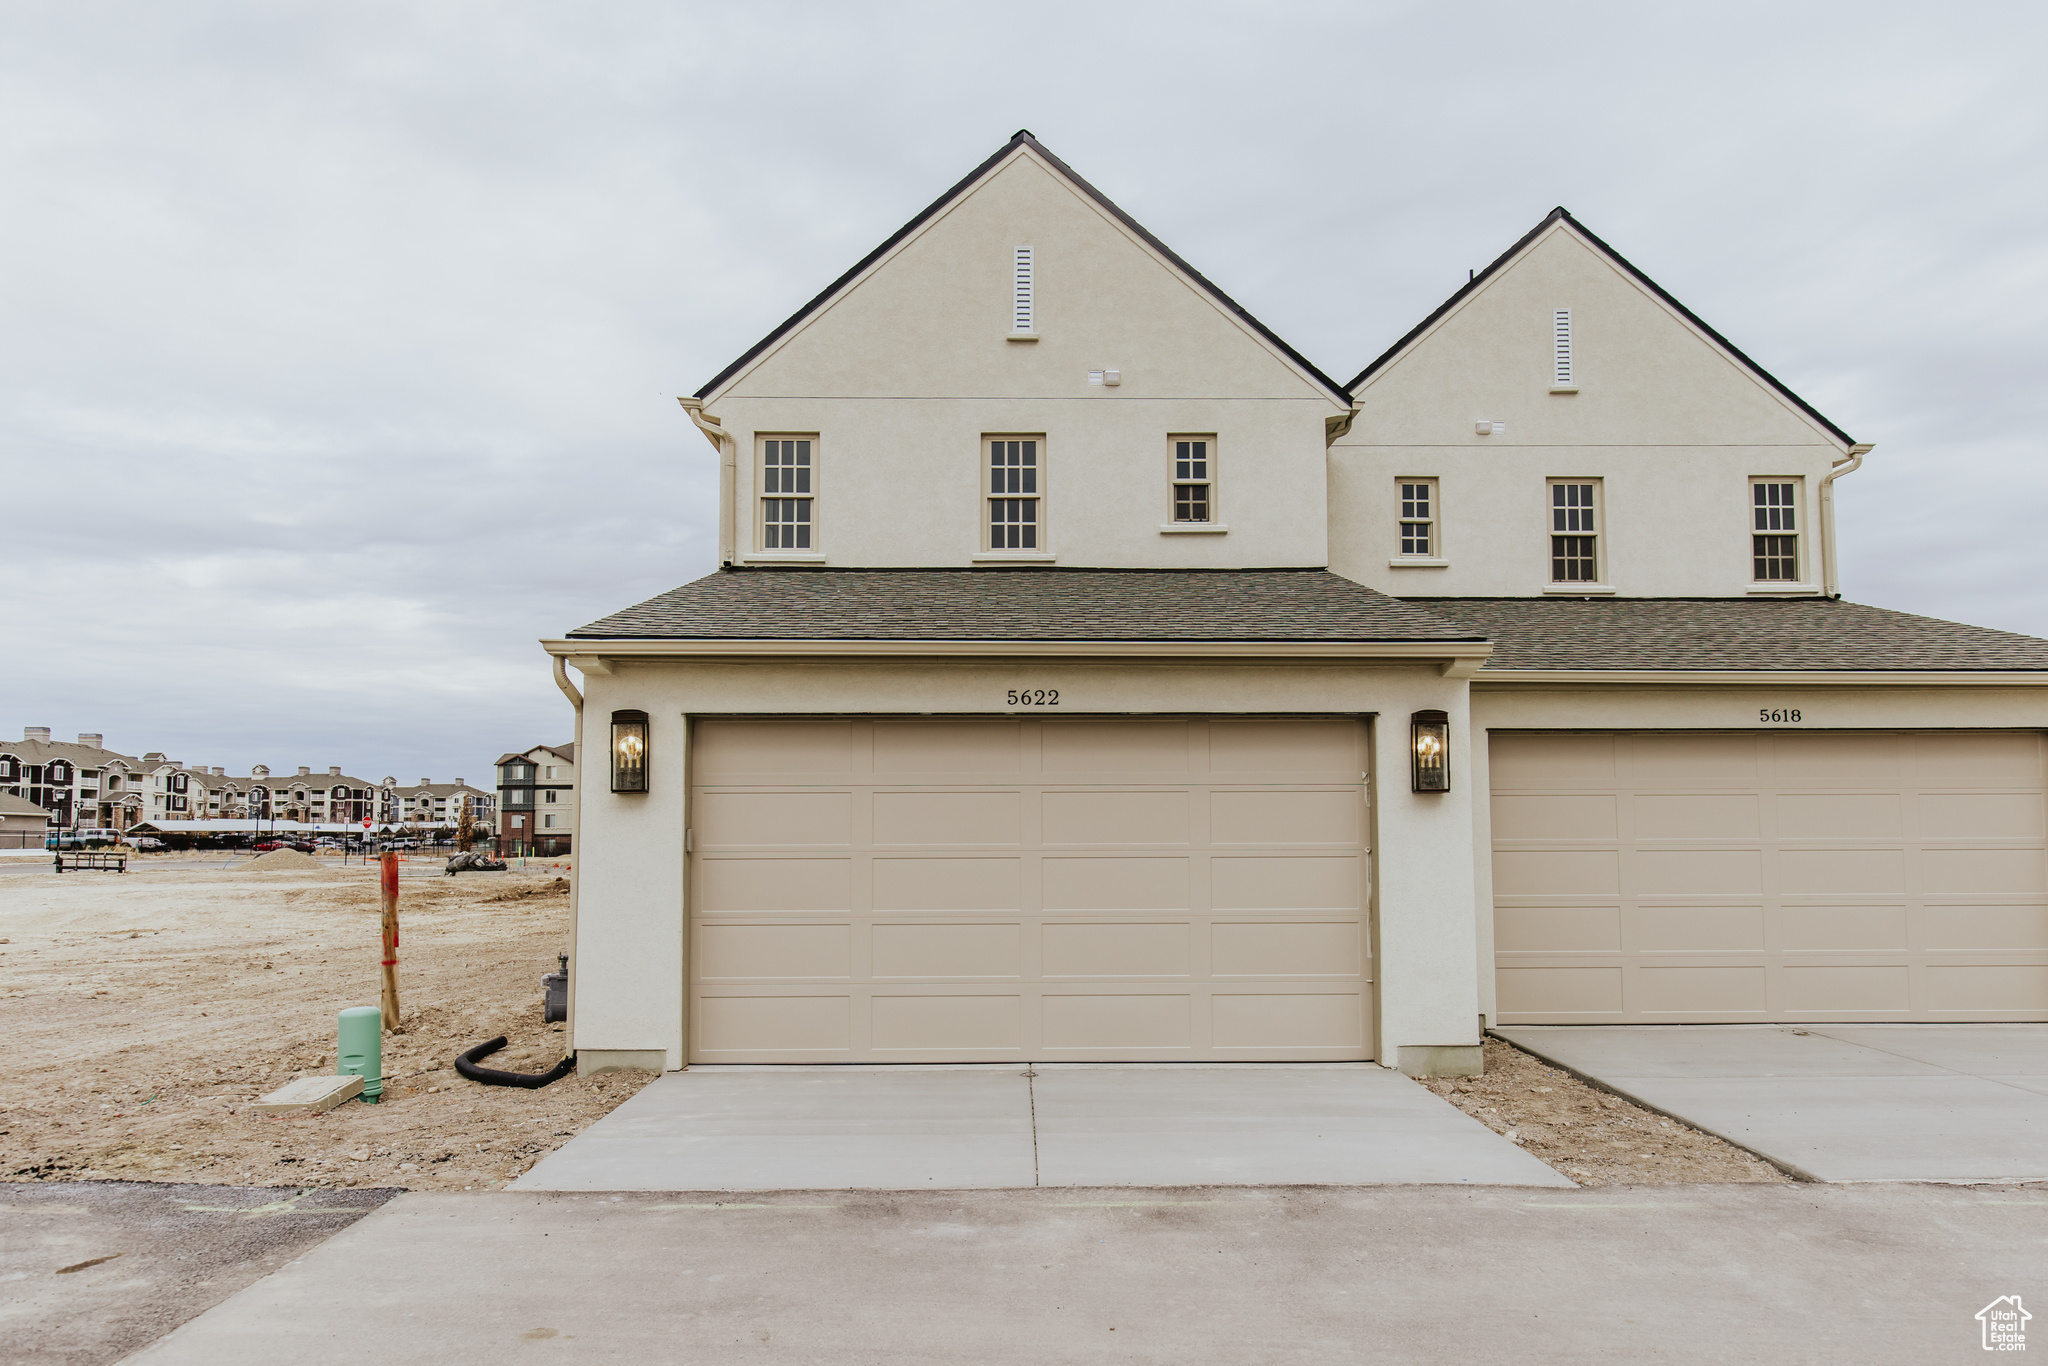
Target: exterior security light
x,y
1429,751
629,751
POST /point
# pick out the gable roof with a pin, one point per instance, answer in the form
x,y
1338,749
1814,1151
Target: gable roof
x,y
1023,138
1621,263
1036,604
1766,635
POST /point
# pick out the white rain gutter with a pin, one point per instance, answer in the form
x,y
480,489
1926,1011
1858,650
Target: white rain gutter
x,y
727,446
1831,583
575,854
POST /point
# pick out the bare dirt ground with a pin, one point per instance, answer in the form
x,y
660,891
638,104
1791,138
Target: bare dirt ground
x,y
145,1010
1593,1136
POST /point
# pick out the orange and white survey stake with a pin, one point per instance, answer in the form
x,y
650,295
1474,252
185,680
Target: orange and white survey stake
x,y
389,879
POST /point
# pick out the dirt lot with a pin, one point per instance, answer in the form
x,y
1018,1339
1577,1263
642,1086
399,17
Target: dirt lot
x,y
145,1010
1594,1137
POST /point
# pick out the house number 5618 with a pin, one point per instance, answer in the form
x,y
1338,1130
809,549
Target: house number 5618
x,y
1767,714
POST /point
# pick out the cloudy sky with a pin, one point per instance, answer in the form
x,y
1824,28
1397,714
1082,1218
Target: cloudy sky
x,y
339,342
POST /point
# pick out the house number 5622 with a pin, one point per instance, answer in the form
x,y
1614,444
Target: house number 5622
x,y
1032,697
1769,714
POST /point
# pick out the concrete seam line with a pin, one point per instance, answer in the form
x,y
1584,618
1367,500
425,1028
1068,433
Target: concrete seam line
x,y
1796,1173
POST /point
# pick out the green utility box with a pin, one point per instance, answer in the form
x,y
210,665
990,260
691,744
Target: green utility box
x,y
361,1051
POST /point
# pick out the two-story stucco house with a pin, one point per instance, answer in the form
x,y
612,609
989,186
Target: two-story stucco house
x,y
1090,676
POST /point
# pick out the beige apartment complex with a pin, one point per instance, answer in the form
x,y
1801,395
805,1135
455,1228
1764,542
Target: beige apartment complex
x,y
1089,676
537,801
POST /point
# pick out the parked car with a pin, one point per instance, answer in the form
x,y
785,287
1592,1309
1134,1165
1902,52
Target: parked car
x,y
80,839
265,846
143,842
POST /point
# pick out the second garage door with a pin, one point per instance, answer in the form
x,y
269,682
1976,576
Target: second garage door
x,y
1712,877
1091,890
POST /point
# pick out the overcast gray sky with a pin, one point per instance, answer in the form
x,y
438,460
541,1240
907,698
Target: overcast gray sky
x,y
339,343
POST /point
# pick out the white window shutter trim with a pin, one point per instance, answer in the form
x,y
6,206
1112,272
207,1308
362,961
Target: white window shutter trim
x,y
1561,323
1025,317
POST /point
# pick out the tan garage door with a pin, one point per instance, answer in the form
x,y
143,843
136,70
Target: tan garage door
x,y
937,891
1661,877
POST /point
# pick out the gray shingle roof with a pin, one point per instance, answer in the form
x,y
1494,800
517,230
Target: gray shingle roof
x,y
1727,634
1024,604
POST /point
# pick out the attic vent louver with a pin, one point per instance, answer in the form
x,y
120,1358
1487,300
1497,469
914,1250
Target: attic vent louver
x,y
1561,333
1024,320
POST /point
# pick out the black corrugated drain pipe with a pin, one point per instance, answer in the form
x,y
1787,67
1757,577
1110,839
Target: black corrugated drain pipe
x,y
490,1076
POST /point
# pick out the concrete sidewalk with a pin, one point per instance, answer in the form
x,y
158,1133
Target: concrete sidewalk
x,y
1699,1274
953,1128
1942,1102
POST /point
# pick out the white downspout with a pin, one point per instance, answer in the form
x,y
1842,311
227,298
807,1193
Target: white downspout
x,y
1831,581
576,851
728,472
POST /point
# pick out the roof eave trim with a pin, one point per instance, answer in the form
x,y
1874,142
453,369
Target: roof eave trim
x,y
1825,678
1563,215
648,649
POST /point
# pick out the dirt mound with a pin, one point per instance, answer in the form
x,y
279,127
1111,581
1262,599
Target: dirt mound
x,y
283,861
558,887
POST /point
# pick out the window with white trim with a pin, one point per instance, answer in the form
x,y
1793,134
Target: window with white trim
x,y
787,486
1015,489
1418,518
1024,314
1561,349
1575,531
1194,478
1774,530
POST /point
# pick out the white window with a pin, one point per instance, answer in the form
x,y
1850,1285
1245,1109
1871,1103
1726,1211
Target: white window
x,y
786,492
1561,343
1015,488
551,796
1575,531
1774,530
550,773
1024,316
519,822
1194,478
548,821
1418,518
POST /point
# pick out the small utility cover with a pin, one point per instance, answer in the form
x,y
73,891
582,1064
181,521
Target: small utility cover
x,y
309,1096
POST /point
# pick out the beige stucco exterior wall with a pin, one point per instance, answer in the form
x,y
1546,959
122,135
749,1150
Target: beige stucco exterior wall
x,y
631,913
901,376
1498,705
1668,421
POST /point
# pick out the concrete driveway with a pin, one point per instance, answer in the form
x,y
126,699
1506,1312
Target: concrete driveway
x,y
953,1128
1942,1102
1874,1275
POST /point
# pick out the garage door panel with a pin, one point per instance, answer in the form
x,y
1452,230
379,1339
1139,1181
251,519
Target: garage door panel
x,y
969,819
1878,875
1554,816
1698,872
1982,815
1841,815
1697,990
1696,816
728,953
1117,950
948,884
774,884
2021,928
727,820
1113,817
1839,929
1282,949
1693,929
1286,818
947,952
1115,884
1057,888
1294,1021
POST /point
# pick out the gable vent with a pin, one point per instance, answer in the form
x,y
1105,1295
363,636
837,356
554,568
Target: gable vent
x,y
1024,318
1561,339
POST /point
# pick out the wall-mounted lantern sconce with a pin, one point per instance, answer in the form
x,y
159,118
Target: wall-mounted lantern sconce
x,y
1429,751
629,751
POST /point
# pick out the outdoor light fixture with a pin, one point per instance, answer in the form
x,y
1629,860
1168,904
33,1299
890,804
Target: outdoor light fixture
x,y
1429,751
629,751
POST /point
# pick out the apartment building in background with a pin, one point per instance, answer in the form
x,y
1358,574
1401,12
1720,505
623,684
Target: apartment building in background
x,y
537,800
